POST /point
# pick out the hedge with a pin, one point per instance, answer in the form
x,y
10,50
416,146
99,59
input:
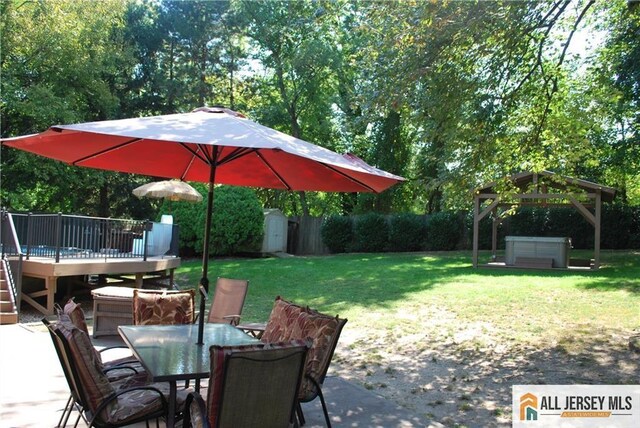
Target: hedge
x,y
620,229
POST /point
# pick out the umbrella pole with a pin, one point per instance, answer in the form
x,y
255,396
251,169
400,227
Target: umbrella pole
x,y
204,281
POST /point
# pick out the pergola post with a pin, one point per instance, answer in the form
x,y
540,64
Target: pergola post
x,y
476,224
596,239
494,235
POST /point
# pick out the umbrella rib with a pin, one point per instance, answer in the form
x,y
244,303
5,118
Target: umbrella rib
x,y
266,162
361,183
237,154
102,152
200,156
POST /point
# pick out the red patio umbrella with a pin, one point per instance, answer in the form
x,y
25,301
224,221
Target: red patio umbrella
x,y
210,145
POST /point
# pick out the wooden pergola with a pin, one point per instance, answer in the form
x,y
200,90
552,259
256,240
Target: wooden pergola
x,y
545,189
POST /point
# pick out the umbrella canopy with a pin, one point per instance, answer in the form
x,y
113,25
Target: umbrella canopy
x,y
173,190
186,146
211,145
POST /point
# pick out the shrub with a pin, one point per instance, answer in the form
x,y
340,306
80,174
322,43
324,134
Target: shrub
x,y
569,222
618,224
237,222
444,231
528,221
337,233
406,232
371,233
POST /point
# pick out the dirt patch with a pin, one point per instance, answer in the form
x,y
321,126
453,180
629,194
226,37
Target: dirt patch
x,y
461,373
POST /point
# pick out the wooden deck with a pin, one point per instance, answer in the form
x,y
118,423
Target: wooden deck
x,y
48,270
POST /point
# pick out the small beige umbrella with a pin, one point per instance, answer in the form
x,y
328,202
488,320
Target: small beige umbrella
x,y
172,190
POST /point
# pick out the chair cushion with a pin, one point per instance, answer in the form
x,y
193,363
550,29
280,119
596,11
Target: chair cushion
x,y
73,313
163,307
283,316
321,329
76,315
89,367
130,405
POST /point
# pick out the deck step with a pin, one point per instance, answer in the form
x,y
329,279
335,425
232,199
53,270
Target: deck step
x,y
534,262
8,318
6,306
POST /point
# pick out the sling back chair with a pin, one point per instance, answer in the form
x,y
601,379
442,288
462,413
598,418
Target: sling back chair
x,y
228,301
289,321
252,386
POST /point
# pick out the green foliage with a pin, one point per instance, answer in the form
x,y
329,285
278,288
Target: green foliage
x,y
528,222
371,233
406,232
448,94
237,223
337,233
444,231
620,227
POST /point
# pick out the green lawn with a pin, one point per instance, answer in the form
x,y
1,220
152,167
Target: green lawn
x,y
401,291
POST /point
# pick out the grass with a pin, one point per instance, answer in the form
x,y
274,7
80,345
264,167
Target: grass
x,y
400,292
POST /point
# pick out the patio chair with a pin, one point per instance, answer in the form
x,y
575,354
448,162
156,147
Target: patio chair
x,y
228,301
100,402
163,307
115,370
250,387
73,312
289,321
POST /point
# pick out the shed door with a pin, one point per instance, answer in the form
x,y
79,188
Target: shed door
x,y
275,234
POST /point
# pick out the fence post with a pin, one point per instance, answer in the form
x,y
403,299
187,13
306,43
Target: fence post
x,y
58,235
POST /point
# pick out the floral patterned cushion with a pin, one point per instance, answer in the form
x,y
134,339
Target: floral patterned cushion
x,y
89,367
128,406
163,307
321,330
281,320
76,315
289,321
72,312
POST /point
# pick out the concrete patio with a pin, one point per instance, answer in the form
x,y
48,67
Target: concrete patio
x,y
33,390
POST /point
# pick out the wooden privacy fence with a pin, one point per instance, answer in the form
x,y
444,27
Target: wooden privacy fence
x,y
303,236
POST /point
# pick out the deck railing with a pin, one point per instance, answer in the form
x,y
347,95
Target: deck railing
x,y
11,247
62,236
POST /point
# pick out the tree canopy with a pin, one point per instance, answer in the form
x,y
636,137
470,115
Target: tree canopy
x,y
448,94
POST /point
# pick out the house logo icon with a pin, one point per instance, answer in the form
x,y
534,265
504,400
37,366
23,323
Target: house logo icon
x,y
528,407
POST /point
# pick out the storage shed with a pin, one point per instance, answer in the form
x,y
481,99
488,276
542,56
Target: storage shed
x,y
275,231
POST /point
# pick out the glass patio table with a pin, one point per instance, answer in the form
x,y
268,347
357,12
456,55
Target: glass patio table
x,y
169,353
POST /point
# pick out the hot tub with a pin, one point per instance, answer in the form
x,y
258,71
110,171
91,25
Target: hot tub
x,y
537,248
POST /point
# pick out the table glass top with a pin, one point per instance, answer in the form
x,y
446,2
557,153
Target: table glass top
x,y
170,352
